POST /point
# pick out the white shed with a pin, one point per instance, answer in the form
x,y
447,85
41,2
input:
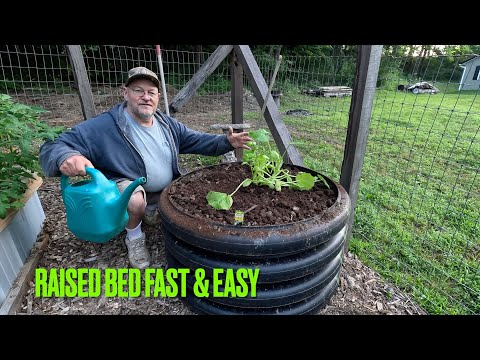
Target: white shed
x,y
471,74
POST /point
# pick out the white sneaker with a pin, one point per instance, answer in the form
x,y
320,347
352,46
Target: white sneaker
x,y
138,254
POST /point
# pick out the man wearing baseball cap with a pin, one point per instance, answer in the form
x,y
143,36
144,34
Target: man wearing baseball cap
x,y
131,140
142,72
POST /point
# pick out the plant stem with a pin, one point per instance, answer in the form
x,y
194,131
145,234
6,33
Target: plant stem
x,y
239,186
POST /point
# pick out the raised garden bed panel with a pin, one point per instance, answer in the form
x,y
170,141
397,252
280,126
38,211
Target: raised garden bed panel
x,y
17,235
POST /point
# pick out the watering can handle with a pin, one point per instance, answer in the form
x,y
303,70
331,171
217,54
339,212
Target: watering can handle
x,y
97,176
91,171
64,181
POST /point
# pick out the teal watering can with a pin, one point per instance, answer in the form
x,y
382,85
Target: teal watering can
x,y
95,209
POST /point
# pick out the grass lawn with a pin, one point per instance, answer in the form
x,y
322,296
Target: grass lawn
x,y
417,216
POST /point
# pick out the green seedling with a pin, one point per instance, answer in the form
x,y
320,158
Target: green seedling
x,y
223,201
266,166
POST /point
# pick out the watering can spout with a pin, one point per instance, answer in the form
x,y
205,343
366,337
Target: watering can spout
x,y
122,203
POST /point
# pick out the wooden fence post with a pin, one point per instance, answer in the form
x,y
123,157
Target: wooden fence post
x,y
277,127
368,63
208,67
81,79
237,95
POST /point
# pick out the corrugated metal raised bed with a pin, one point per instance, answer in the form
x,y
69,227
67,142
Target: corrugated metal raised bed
x,y
18,233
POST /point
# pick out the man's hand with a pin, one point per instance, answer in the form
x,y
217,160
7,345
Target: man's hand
x,y
75,165
238,140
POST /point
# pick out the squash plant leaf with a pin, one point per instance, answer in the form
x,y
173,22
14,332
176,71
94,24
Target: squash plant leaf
x,y
260,135
219,201
305,181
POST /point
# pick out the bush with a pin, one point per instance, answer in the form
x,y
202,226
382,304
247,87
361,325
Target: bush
x,y
21,133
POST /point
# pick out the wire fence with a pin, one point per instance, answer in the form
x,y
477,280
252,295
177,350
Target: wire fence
x,y
417,217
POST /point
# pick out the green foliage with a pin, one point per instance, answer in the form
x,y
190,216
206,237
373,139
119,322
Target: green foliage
x,y
219,200
222,201
20,131
390,75
266,166
215,85
8,85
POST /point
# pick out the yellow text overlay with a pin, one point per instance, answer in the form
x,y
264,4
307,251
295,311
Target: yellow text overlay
x,y
150,282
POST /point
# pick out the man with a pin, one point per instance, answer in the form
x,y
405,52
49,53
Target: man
x,y
131,140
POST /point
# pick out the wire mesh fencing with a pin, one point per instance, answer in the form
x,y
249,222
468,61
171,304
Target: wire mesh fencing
x,y
417,217
417,212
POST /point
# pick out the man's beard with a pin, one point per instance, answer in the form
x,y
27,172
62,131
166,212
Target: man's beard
x,y
145,117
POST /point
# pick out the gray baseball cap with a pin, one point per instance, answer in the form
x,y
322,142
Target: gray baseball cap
x,y
142,72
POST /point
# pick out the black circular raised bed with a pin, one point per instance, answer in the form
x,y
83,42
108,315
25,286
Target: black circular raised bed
x,y
299,262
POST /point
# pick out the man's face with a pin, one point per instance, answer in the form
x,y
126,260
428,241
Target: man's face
x,y
142,99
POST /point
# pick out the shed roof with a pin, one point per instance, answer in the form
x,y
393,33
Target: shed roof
x,y
472,58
